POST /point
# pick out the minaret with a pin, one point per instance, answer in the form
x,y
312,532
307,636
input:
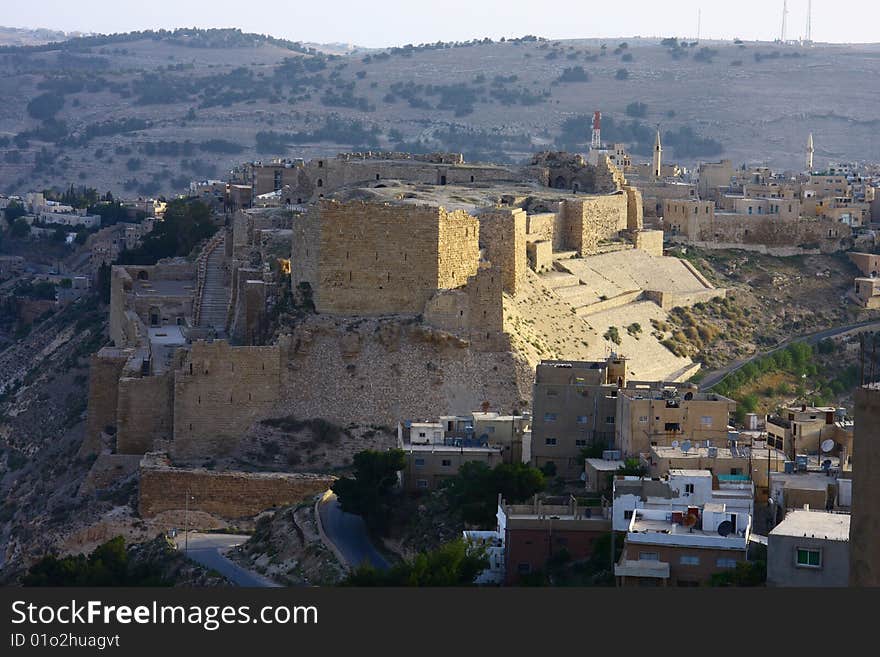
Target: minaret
x,y
658,153
810,153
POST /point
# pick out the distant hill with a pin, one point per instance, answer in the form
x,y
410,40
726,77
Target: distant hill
x,y
17,36
146,112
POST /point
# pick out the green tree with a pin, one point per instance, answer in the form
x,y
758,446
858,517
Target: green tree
x,y
746,573
452,564
369,492
20,228
107,565
632,467
13,211
186,223
474,490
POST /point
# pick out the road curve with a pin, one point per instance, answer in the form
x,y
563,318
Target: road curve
x,y
717,376
208,550
349,535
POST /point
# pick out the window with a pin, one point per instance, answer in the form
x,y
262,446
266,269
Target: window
x,y
550,441
421,483
609,419
446,463
580,443
581,419
649,556
725,563
689,560
549,417
706,420
627,515
688,488
490,428
420,463
808,558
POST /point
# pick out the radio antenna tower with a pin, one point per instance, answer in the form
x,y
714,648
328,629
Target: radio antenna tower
x,y
784,19
699,22
808,35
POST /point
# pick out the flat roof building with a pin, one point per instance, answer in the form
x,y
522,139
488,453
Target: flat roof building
x,y
809,548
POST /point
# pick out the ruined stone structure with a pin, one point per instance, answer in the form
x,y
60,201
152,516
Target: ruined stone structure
x,y
430,295
374,259
226,494
219,391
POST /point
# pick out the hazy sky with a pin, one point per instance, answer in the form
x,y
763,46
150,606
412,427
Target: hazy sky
x,y
377,23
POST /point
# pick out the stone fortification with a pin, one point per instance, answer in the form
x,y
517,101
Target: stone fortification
x,y
226,494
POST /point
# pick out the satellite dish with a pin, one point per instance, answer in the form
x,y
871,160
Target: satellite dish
x,y
725,528
686,446
827,445
675,444
688,396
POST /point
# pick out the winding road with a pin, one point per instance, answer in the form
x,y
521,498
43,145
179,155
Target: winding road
x,y
208,550
349,535
717,376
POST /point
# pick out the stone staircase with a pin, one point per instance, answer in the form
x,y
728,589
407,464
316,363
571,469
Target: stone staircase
x,y
214,300
568,287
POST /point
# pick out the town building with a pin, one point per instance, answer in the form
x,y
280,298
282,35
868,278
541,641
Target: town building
x,y
599,473
678,491
574,405
436,451
809,548
802,429
662,413
682,548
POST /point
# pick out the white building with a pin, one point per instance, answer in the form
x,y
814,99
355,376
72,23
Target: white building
x,y
677,492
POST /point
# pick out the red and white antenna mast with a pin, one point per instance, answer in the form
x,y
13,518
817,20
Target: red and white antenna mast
x,y
596,142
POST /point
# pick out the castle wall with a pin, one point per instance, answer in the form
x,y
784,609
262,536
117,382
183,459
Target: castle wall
x,y
827,236
120,286
540,255
546,227
650,241
219,391
105,368
382,258
144,413
226,494
503,235
634,209
592,219
378,371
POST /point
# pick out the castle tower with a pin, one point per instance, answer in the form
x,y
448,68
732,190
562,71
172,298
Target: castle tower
x,y
810,153
658,154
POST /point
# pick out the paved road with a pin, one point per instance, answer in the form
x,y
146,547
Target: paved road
x,y
208,549
715,377
349,534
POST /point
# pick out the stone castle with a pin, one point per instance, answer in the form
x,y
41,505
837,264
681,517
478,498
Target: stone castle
x,y
435,284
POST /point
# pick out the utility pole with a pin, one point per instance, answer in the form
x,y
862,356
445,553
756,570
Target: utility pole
x,y
186,523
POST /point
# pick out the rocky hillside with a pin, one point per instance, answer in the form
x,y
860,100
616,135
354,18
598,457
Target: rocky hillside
x,y
147,112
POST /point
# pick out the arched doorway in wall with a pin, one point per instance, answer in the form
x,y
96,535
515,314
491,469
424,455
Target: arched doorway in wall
x,y
559,182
